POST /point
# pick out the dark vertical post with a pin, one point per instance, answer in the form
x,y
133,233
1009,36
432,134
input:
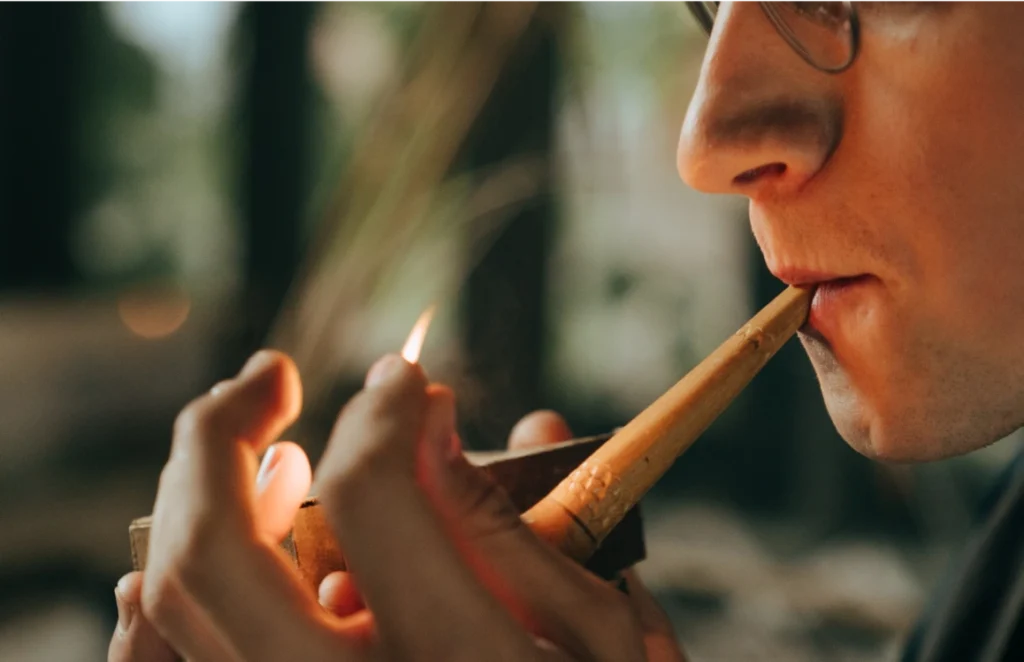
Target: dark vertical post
x,y
275,113
794,461
503,301
40,54
765,464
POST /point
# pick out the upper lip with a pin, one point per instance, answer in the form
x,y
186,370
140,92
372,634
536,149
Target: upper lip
x,y
798,276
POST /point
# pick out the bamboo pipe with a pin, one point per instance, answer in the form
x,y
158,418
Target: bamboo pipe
x,y
580,512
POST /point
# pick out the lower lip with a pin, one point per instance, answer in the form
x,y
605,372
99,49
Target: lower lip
x,y
830,298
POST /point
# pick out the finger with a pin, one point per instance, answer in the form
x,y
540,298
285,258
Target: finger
x,y
218,436
282,484
659,635
135,639
212,576
651,614
545,427
549,594
472,537
391,534
539,428
339,595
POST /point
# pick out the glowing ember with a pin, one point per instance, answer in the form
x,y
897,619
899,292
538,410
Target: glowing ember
x,y
413,345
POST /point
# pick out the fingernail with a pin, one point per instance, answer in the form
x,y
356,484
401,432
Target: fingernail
x,y
267,466
323,594
125,612
384,369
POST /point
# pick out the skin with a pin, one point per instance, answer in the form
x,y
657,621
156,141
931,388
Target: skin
x,y
505,594
900,169
903,167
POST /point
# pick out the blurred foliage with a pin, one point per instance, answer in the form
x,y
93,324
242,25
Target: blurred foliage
x,y
120,83
398,165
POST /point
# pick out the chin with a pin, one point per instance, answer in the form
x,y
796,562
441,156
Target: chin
x,y
879,434
874,438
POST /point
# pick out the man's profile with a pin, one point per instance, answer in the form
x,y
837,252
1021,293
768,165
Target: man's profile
x,y
879,145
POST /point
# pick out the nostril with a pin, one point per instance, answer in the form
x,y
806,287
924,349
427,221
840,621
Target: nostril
x,y
766,170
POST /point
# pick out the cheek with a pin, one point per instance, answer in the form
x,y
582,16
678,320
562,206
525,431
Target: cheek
x,y
924,189
939,107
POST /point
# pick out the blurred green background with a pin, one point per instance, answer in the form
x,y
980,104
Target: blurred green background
x,y
182,183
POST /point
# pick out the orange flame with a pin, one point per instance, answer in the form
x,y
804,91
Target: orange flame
x,y
414,343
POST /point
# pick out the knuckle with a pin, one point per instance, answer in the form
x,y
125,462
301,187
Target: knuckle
x,y
487,504
621,626
620,615
197,420
161,599
185,571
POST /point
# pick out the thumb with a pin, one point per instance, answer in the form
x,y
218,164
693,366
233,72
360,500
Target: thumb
x,y
135,639
282,484
550,594
539,429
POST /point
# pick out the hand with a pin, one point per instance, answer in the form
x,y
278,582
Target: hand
x,y
480,586
283,478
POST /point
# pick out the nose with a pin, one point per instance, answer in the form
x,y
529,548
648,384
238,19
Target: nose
x,y
761,120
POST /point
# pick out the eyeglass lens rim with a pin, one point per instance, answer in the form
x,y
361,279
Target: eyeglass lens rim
x,y
704,13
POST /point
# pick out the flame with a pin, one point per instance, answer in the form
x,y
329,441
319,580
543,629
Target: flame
x,y
414,343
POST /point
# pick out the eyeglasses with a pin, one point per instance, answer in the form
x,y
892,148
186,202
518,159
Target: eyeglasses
x,y
825,34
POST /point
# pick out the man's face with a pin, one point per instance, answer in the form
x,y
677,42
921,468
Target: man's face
x,y
905,172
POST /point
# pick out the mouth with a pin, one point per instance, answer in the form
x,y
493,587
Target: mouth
x,y
834,302
832,295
